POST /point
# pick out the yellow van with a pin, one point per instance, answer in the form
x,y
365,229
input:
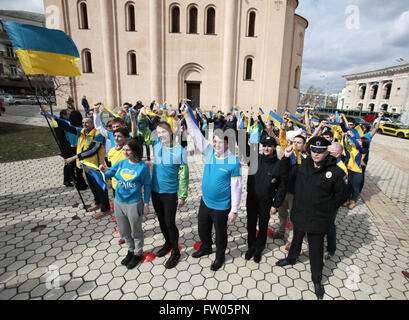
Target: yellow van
x,y
394,129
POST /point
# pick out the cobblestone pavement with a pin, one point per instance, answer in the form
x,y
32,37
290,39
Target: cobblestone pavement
x,y
39,239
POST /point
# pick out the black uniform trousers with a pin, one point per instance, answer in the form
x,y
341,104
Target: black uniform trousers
x,y
207,218
315,248
257,211
165,205
100,196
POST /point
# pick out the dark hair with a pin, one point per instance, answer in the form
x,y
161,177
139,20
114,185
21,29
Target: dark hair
x,y
63,112
123,131
136,148
119,120
301,137
365,143
328,133
75,118
365,127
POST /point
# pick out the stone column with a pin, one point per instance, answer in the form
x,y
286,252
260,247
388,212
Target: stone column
x,y
379,96
108,40
156,55
229,53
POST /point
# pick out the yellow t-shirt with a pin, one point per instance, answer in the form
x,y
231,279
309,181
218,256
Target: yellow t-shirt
x,y
114,156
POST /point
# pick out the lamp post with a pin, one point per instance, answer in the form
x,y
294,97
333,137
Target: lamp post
x,y
326,89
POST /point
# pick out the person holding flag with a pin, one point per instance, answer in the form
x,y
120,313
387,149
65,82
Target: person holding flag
x,y
90,154
170,181
130,205
221,188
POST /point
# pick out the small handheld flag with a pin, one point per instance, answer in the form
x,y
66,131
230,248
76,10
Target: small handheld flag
x,y
275,118
191,114
42,50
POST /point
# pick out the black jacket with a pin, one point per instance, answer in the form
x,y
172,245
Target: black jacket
x,y
318,193
266,185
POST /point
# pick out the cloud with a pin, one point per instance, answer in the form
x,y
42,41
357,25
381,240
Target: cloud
x,y
25,5
333,47
399,32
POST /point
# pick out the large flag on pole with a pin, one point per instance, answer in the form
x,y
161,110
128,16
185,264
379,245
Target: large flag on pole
x,y
42,50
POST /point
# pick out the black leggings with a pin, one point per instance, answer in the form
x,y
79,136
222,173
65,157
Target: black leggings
x,y
165,205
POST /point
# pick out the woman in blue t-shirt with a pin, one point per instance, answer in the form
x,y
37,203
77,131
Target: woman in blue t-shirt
x,y
131,174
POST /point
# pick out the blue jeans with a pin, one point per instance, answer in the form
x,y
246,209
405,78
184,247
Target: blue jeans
x,y
355,180
332,235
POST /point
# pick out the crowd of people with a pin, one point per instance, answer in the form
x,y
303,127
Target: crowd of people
x,y
305,171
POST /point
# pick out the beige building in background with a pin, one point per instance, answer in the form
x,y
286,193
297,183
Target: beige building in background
x,y
379,90
220,52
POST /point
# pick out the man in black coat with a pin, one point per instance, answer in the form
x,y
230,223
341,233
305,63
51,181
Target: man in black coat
x,y
320,188
265,193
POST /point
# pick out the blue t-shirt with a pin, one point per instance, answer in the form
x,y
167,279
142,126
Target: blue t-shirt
x,y
369,137
167,161
216,183
111,138
255,133
130,178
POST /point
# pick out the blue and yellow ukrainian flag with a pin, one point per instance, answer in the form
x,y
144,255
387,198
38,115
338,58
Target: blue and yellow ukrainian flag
x,y
42,50
276,119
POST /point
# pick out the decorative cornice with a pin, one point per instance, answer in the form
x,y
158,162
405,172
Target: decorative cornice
x,y
380,72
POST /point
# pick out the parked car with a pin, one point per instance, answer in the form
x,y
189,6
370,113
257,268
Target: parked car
x,y
357,120
18,100
394,129
7,99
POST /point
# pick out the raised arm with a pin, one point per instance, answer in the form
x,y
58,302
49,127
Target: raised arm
x,y
375,130
200,141
98,122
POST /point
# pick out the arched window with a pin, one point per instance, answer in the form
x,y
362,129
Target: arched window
x,y
374,92
175,20
83,15
248,69
86,61
132,70
130,17
300,43
251,24
387,91
211,21
193,20
362,92
297,78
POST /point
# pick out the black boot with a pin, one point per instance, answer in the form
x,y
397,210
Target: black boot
x,y
216,265
284,262
319,290
173,260
128,258
201,252
250,253
163,251
134,261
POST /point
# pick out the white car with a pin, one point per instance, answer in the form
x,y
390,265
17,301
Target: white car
x,y
19,100
7,99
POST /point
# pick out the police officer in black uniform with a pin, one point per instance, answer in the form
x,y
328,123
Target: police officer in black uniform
x,y
265,192
320,188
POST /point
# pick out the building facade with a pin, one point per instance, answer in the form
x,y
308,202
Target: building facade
x,y
12,77
221,52
379,90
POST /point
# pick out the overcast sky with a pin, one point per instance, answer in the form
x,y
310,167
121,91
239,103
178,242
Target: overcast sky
x,y
343,37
